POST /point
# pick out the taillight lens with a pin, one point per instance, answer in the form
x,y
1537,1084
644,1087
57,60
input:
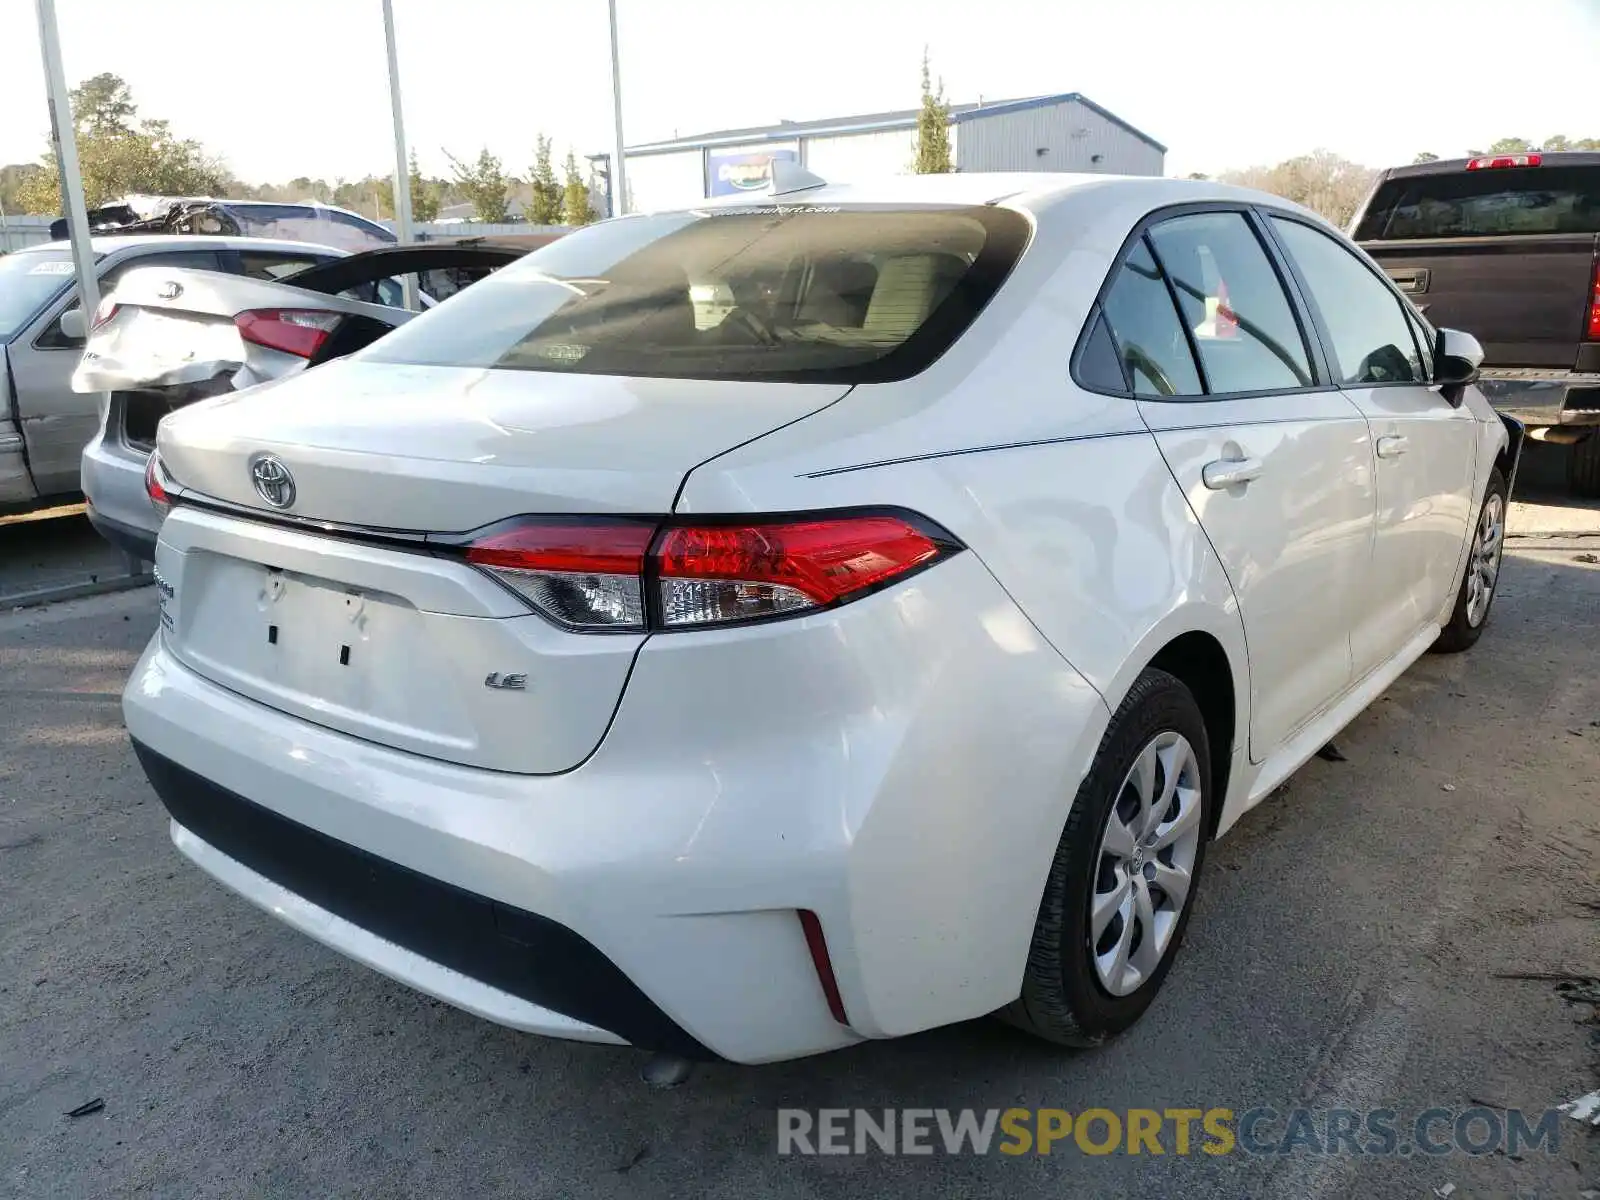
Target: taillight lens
x,y
155,484
297,331
600,575
581,574
713,574
1593,332
104,311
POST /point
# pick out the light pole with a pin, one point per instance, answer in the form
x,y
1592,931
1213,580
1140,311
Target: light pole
x,y
402,168
64,142
619,179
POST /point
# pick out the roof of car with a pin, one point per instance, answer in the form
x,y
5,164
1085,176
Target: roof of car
x,y
110,244
1029,190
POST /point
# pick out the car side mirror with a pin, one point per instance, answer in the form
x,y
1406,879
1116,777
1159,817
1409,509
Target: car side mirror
x,y
1456,359
74,325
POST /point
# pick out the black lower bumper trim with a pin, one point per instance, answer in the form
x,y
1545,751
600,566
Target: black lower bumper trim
x,y
137,542
508,948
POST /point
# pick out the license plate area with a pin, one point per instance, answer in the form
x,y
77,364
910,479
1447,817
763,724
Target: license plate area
x,y
358,658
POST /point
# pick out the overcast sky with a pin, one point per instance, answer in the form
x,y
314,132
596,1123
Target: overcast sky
x,y
289,87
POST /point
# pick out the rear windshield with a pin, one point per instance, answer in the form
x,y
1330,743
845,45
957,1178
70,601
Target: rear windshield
x,y
798,294
29,279
1485,203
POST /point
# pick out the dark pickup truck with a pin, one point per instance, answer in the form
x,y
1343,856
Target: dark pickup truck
x,y
1507,247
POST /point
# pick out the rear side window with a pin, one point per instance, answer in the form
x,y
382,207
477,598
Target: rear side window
x,y
258,264
1369,328
1487,203
1149,337
783,293
1233,303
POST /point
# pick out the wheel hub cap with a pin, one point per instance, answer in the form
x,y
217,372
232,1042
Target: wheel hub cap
x,y
1146,862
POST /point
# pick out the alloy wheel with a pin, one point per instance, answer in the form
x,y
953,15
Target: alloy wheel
x,y
1484,569
1146,863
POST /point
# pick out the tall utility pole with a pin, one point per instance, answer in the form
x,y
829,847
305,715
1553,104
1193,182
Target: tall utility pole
x,y
402,168
619,179
64,142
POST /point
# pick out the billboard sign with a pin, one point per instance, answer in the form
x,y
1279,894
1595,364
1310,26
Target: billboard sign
x,y
730,172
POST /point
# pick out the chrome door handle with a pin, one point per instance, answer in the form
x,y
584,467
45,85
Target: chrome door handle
x,y
1227,472
1393,446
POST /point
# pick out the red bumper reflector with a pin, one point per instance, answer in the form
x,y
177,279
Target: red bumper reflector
x,y
818,945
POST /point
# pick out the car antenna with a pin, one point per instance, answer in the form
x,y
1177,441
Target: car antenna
x,y
792,177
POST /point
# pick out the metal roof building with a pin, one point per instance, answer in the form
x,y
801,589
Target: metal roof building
x,y
1063,132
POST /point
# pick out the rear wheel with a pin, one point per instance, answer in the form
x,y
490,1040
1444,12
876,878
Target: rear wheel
x,y
1482,576
1123,881
1583,466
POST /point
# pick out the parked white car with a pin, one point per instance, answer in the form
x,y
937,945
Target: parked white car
x,y
877,651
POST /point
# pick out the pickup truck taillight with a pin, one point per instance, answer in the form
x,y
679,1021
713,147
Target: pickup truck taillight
x,y
1592,331
622,575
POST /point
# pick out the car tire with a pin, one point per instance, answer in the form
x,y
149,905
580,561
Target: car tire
x,y
1583,466
1071,995
1473,602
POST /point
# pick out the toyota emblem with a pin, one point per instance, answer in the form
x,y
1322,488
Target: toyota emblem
x,y
273,482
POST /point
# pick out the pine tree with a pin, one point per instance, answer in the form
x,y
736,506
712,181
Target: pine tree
x,y
933,127
575,197
424,196
484,184
545,206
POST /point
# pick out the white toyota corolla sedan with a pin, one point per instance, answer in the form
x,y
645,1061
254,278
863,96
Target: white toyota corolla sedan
x,y
746,631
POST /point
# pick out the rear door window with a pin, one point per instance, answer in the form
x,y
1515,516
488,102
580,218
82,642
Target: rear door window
x,y
275,264
1489,203
1233,303
783,293
1144,325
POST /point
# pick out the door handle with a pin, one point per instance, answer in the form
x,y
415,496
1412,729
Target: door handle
x,y
1393,446
1228,472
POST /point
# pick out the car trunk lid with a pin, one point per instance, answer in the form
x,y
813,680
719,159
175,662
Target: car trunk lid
x,y
386,636
449,449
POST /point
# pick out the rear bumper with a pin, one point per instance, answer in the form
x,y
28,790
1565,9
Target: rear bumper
x,y
902,767
113,484
140,543
1544,399
512,966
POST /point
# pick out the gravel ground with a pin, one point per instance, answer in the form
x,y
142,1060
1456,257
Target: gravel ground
x,y
1352,947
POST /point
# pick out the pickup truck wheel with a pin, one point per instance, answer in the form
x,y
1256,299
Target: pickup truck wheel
x,y
1583,466
1123,882
1479,580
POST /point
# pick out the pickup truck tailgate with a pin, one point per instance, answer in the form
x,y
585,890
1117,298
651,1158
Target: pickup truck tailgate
x,y
1524,297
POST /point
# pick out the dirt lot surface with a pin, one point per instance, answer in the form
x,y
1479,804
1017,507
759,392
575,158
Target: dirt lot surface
x,y
1415,926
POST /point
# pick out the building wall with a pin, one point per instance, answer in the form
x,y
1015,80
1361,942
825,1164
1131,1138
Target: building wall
x,y
852,157
1070,133
671,180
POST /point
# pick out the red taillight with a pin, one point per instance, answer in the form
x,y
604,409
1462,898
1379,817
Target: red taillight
x,y
1593,332
295,331
104,311
590,573
1492,161
818,945
712,574
154,486
583,574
